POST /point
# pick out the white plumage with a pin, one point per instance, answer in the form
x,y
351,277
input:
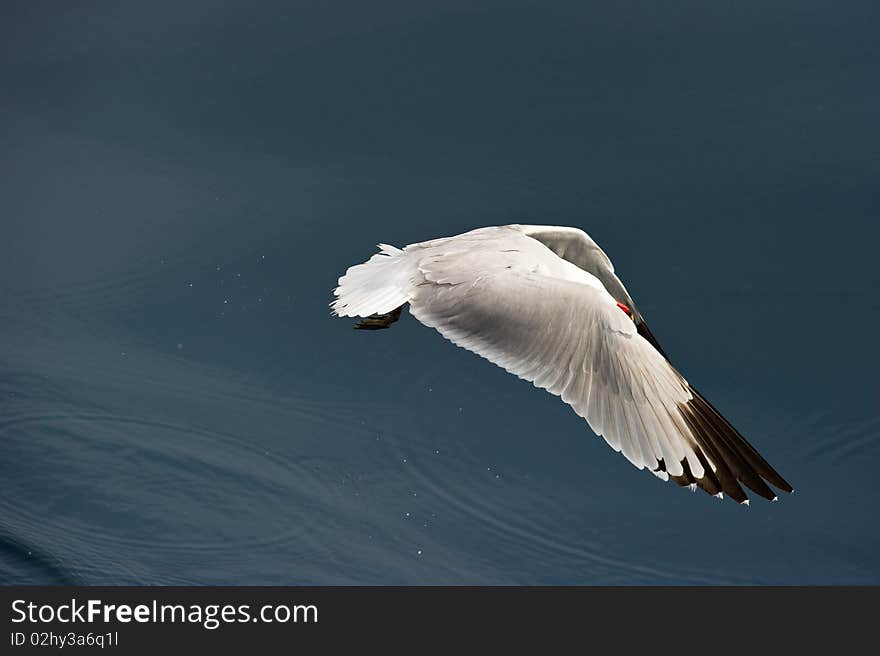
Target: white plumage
x,y
545,304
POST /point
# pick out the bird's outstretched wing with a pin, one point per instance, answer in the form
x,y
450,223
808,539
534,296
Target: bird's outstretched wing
x,y
572,339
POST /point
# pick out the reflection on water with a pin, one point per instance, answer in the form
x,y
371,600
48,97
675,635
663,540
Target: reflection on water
x,y
177,405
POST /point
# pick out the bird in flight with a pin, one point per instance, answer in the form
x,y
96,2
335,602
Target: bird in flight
x,y
544,303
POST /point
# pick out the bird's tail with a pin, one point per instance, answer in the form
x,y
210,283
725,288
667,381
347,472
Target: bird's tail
x,y
381,284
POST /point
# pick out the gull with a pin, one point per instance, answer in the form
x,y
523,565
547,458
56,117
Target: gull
x,y
544,303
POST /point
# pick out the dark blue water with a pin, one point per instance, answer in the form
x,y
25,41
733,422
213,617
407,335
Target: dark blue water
x,y
180,187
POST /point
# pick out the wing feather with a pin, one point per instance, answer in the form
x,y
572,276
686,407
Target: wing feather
x,y
543,306
590,353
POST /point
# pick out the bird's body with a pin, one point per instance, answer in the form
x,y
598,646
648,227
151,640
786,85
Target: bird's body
x,y
544,303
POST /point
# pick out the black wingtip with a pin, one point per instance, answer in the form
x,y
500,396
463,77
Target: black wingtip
x,y
736,461
740,445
